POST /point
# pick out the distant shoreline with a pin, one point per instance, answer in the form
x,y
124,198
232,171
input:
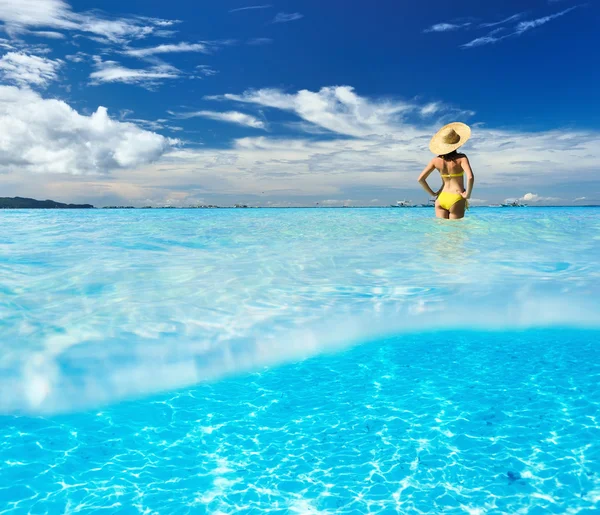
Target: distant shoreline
x,y
28,203
268,207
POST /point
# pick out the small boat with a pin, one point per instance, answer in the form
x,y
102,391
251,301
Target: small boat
x,y
514,203
403,203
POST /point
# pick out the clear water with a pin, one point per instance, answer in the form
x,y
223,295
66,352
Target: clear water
x,y
153,361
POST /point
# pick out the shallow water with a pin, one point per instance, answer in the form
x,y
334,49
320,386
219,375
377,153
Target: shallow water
x,y
453,365
102,305
445,422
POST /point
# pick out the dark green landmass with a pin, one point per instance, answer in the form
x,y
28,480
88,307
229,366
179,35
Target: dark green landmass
x,y
30,203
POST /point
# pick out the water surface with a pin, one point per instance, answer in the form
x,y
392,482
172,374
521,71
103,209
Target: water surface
x,y
312,361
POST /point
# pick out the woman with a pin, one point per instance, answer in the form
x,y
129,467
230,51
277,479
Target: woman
x,y
452,197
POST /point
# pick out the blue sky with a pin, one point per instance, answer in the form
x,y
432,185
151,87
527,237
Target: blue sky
x,y
293,103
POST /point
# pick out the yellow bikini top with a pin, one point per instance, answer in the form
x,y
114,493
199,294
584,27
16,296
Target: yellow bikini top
x,y
453,174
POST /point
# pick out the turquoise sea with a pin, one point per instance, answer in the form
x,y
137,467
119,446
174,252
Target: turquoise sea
x,y
301,361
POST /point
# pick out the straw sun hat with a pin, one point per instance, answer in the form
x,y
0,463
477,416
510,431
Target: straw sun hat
x,y
449,138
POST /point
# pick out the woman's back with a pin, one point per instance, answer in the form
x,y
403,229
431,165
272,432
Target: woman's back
x,y
450,165
452,171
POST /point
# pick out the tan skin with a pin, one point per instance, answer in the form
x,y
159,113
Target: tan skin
x,y
453,164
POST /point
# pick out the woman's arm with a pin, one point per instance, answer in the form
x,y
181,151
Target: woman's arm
x,y
423,178
470,177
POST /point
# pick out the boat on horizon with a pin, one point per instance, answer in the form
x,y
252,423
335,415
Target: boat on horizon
x,y
514,203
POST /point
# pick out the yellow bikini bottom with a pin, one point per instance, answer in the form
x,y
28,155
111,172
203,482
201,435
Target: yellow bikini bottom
x,y
446,200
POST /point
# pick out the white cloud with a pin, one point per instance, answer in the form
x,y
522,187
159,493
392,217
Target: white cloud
x,y
446,27
531,24
514,17
204,70
521,27
484,40
19,16
534,197
431,108
36,13
164,23
260,41
24,69
286,17
48,34
230,116
161,124
530,196
48,136
251,7
19,45
111,71
338,109
79,57
165,49
121,30
6,44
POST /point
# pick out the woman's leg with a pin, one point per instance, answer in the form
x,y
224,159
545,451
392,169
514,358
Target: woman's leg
x,y
440,212
457,210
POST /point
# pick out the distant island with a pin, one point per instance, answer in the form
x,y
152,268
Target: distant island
x,y
30,203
